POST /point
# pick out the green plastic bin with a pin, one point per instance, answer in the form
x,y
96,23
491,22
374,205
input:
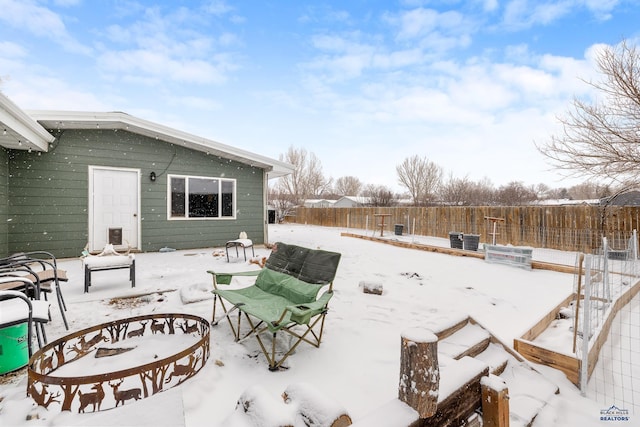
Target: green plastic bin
x,y
14,350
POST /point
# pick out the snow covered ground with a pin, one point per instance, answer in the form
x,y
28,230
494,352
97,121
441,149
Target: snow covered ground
x,y
357,365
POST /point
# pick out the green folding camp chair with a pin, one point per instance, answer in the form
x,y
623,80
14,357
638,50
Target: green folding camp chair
x,y
284,298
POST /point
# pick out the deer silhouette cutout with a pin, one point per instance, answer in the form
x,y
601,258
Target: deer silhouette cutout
x,y
137,332
123,395
94,398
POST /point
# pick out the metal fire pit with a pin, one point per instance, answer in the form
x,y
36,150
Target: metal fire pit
x,y
116,342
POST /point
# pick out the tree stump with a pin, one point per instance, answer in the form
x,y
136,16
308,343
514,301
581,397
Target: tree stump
x,y
419,371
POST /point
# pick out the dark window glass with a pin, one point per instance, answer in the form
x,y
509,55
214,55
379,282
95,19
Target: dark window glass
x,y
203,198
178,197
227,198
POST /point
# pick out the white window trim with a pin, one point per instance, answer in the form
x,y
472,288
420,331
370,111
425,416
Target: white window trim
x,y
186,178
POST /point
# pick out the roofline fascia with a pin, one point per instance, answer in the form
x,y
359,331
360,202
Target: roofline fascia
x,y
20,122
120,120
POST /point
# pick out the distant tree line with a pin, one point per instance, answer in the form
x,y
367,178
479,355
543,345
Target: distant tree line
x,y
424,181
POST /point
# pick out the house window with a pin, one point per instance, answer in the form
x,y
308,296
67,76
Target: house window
x,y
194,197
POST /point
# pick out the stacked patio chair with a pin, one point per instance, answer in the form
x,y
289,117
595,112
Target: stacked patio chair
x,y
16,308
42,270
285,299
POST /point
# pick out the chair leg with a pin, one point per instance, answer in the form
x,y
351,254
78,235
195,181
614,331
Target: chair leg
x,y
215,322
132,273
61,297
62,306
30,338
39,334
87,279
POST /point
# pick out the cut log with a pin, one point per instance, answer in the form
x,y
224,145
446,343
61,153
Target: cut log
x,y
419,371
256,407
314,408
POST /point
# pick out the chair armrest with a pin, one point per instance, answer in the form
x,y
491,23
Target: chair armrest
x,y
26,283
301,310
225,278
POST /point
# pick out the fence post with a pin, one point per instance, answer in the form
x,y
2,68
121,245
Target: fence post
x,y
605,270
419,371
586,325
495,402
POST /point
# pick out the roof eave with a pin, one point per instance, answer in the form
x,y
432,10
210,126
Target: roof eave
x,y
118,120
19,130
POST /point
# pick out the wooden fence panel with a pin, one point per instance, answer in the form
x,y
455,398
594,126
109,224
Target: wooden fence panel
x,y
573,228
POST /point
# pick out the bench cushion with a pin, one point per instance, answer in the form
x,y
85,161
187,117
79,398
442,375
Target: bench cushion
x,y
108,261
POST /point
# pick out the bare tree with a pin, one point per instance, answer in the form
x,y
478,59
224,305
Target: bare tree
x,y
306,180
347,186
317,184
515,193
378,195
420,177
589,190
601,139
456,191
283,203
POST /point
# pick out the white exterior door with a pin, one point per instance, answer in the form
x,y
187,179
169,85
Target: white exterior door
x,y
114,206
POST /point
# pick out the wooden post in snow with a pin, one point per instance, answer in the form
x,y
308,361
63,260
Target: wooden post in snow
x,y
495,402
419,372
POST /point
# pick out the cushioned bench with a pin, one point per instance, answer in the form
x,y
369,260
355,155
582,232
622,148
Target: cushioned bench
x,y
108,262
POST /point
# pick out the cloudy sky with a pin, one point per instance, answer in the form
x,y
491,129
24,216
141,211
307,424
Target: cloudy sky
x,y
471,85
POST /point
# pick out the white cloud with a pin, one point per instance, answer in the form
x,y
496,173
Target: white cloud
x,y
527,13
217,7
40,21
169,46
67,3
432,30
12,50
154,66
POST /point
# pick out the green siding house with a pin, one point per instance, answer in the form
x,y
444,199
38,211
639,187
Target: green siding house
x,y
70,180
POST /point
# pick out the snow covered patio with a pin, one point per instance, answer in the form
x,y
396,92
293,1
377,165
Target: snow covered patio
x,y
358,362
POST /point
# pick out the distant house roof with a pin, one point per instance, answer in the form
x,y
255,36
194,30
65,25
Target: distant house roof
x,y
25,130
630,198
318,203
352,201
564,202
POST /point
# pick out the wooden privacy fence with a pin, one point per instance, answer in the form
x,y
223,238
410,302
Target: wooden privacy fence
x,y
572,228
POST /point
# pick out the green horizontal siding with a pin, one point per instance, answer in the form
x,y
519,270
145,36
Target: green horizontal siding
x,y
4,202
48,192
